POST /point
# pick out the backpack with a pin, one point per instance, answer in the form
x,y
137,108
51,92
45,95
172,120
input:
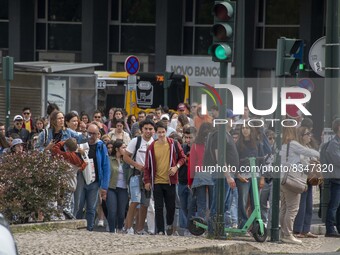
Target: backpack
x,y
128,170
323,153
209,157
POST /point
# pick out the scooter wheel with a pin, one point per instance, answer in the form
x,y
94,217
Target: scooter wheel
x,y
193,228
257,233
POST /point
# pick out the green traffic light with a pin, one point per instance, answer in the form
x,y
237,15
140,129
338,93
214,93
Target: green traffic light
x,y
301,67
222,52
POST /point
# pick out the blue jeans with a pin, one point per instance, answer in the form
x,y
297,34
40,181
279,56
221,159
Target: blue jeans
x,y
231,214
244,192
213,208
116,203
265,196
303,219
78,192
333,210
200,195
185,198
89,194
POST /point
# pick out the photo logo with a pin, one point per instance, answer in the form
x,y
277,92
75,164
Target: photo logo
x,y
211,91
239,101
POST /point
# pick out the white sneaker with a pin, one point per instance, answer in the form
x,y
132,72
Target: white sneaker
x,y
187,233
130,231
142,232
100,223
291,239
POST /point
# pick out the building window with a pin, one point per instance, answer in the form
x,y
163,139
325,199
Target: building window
x,y
58,25
132,26
198,20
4,24
276,18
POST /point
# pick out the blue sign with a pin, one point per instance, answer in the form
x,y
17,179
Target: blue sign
x,y
306,84
132,65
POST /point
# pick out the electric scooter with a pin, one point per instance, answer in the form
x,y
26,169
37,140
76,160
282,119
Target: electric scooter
x,y
197,225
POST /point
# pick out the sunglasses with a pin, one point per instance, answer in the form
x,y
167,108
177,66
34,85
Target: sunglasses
x,y
97,117
26,113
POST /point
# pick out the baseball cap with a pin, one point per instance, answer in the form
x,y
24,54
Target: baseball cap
x,y
165,116
16,142
181,106
18,117
230,114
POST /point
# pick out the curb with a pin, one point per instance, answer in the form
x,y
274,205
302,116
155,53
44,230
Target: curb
x,y
225,249
51,225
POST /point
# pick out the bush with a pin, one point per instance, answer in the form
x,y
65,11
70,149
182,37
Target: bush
x,y
29,183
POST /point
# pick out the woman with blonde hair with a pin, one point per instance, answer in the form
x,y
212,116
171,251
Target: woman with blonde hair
x,y
291,153
303,220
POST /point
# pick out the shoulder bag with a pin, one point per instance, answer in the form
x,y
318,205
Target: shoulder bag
x,y
294,181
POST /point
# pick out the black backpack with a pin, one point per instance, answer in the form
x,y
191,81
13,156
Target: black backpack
x,y
209,157
323,153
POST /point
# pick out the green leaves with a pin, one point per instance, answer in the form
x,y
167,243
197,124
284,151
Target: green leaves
x,y
29,182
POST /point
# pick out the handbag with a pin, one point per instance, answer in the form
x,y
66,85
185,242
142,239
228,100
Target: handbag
x,y
314,177
89,172
294,181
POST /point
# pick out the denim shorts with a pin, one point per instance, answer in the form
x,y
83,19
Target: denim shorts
x,y
135,191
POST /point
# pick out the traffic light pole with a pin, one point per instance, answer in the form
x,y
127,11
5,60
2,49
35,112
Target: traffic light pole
x,y
220,196
275,231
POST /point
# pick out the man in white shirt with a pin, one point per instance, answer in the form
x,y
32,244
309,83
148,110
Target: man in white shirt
x,y
137,194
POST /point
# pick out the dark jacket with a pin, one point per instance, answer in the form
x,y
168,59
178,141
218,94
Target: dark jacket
x,y
333,156
23,133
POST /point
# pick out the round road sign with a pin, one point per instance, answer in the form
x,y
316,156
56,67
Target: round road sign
x,y
306,83
132,65
316,56
292,110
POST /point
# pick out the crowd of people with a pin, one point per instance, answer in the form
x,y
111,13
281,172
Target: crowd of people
x,y
146,166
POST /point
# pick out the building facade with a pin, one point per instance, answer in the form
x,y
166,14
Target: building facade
x,y
107,31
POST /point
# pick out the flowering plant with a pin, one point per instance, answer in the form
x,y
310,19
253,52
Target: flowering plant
x,y
29,182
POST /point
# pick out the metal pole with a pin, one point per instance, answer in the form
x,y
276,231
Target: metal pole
x,y
166,86
8,103
220,196
275,231
331,107
7,74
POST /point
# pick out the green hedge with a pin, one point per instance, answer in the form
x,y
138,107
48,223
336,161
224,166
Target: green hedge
x,y
29,182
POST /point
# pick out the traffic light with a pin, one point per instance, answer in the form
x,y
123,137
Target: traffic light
x,y
289,56
223,31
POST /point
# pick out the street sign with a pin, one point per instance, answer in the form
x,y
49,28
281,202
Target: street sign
x,y
132,65
132,82
306,83
316,56
292,110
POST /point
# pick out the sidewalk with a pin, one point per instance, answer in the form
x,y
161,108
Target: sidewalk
x,y
72,241
64,238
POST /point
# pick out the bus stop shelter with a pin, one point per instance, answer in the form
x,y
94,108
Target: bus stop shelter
x,y
72,86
